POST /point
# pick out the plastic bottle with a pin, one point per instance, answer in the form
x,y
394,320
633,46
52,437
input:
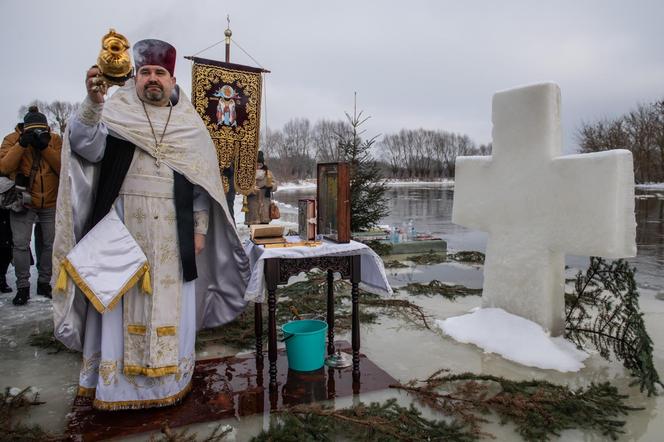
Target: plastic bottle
x,y
395,234
411,230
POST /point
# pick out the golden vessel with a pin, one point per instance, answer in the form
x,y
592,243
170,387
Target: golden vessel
x,y
114,61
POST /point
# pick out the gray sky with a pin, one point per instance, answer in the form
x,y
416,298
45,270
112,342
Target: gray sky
x,y
429,64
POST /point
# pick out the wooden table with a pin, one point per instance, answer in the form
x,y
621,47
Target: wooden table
x,y
278,271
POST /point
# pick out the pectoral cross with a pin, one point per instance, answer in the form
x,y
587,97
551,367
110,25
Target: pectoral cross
x,y
158,154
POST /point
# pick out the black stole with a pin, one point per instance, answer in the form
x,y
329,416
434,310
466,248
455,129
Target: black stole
x,y
113,169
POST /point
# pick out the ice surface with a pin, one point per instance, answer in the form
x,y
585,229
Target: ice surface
x,y
514,338
537,205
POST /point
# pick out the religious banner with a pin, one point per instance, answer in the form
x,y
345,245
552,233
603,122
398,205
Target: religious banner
x,y
227,96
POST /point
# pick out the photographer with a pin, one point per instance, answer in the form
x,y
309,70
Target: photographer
x,y
32,159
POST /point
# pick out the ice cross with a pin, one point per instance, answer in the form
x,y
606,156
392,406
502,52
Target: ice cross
x,y
537,205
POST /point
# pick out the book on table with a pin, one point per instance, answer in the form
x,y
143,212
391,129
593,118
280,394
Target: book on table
x,y
262,234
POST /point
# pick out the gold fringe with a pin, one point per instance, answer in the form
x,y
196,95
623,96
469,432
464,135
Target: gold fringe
x,y
148,403
136,370
147,287
135,329
86,391
170,330
245,204
87,291
61,283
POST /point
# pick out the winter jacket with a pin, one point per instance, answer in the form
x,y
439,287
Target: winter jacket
x,y
259,200
16,159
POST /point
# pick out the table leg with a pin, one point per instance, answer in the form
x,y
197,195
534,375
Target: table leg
x,y
330,312
355,295
271,278
258,329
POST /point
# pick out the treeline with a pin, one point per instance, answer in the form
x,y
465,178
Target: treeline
x,y
641,131
294,150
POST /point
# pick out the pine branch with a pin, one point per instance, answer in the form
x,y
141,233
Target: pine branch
x,y
609,318
386,421
11,428
539,409
436,287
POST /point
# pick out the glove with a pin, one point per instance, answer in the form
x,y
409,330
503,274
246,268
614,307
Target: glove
x,y
41,141
25,139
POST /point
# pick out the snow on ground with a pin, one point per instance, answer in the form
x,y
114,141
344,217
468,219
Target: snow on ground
x,y
311,184
403,183
514,338
299,185
650,186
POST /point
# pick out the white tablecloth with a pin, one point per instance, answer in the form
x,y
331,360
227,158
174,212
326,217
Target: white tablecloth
x,y
373,278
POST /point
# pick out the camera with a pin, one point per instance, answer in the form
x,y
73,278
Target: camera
x,y
22,182
43,136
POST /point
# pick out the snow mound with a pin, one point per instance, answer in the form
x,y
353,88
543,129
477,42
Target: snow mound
x,y
514,338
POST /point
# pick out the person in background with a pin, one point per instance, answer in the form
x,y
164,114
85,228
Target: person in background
x,y
259,200
32,159
5,227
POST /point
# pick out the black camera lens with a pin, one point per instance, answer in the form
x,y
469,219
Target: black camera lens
x,y
41,136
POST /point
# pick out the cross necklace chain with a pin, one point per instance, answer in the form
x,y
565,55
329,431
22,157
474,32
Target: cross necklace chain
x,y
158,153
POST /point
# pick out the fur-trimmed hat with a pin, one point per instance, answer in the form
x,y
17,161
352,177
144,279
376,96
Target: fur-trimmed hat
x,y
154,52
34,119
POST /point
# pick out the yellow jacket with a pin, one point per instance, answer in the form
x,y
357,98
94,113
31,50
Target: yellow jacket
x,y
17,159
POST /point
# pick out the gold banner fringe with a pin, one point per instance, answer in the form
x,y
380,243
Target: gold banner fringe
x,y
87,291
138,404
86,391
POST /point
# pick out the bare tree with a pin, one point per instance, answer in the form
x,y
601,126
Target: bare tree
x,y
640,131
325,139
57,112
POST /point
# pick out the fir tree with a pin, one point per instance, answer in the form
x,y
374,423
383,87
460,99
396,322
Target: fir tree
x,y
367,186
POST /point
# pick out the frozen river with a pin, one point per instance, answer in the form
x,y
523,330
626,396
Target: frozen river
x,y
390,343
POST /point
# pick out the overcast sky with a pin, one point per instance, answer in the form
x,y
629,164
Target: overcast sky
x,y
429,64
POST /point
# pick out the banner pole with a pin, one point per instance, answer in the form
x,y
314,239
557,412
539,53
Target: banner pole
x,y
227,34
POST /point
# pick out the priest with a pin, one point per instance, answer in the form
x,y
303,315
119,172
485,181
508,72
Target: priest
x,y
145,154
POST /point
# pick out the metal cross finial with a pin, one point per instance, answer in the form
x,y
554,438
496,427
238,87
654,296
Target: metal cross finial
x,y
228,32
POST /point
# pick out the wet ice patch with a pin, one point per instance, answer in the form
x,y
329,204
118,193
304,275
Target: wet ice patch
x,y
514,338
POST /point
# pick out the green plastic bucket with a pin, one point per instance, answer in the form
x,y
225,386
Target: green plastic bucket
x,y
305,344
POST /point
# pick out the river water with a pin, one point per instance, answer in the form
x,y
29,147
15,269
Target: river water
x,y
430,208
389,343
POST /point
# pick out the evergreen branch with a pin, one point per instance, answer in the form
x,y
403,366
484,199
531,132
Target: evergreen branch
x,y
539,409
386,421
436,287
609,318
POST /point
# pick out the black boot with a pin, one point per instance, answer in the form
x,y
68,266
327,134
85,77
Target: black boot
x,y
4,288
22,296
44,289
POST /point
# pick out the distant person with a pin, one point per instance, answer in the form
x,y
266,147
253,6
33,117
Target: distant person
x,y
259,200
5,226
32,159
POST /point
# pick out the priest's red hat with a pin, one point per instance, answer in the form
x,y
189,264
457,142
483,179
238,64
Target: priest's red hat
x,y
154,52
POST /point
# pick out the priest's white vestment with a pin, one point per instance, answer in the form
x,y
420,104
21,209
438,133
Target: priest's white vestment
x,y
141,353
